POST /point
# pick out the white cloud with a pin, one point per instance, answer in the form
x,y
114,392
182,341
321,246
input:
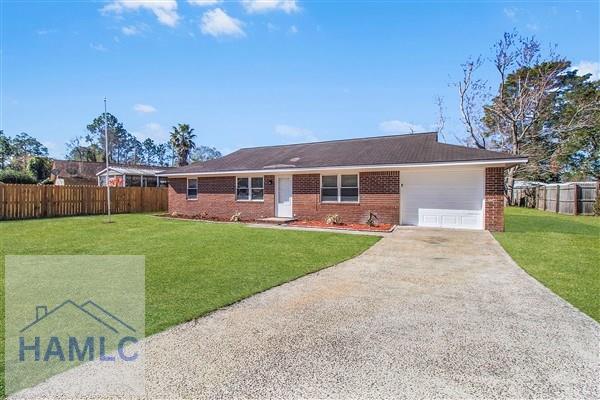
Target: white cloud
x,y
296,134
43,32
217,23
510,13
293,29
98,47
588,67
396,127
152,130
164,10
258,6
144,108
130,30
204,3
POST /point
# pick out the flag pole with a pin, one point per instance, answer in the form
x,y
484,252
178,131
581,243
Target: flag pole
x,y
106,158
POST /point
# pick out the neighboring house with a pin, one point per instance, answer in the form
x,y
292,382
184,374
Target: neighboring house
x,y
78,173
132,175
403,179
75,173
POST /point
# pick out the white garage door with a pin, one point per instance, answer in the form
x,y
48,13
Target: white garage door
x,y
439,197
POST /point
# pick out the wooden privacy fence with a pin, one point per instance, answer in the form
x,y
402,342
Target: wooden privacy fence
x,y
39,201
565,198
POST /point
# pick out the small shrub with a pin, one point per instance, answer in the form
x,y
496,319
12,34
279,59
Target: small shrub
x,y
333,219
372,221
237,217
597,206
8,175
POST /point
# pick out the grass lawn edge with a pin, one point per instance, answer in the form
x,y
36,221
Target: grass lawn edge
x,y
558,251
278,284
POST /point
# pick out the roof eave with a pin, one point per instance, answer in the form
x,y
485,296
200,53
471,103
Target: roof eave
x,y
505,163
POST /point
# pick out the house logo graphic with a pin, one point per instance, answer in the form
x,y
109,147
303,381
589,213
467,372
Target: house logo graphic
x,y
76,332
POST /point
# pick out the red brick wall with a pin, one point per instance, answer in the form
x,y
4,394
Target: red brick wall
x,y
216,198
379,193
494,199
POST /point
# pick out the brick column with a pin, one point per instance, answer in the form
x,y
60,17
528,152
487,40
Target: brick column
x,y
494,199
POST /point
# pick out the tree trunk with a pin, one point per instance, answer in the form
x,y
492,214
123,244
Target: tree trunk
x,y
510,176
510,181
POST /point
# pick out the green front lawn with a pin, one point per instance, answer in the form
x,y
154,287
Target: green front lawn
x,y
560,251
192,268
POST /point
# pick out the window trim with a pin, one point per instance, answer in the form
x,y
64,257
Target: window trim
x,y
339,189
250,187
187,190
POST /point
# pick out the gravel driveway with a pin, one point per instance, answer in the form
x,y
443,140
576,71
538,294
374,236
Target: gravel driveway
x,y
422,314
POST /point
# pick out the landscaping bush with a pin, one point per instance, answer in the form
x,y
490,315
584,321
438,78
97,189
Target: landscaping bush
x,y
372,221
8,175
333,219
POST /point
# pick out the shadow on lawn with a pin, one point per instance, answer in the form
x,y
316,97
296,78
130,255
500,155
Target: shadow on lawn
x,y
541,223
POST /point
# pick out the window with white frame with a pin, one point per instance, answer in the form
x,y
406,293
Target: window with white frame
x,y
339,188
192,188
250,188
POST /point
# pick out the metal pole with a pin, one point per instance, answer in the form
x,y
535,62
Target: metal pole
x,y
106,157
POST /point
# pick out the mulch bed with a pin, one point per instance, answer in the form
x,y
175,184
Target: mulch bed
x,y
350,227
303,224
196,217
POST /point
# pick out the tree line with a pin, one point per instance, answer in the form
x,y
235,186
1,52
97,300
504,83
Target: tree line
x,y
24,159
125,148
539,107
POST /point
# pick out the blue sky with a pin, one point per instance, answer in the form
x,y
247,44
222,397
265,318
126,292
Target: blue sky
x,y
247,73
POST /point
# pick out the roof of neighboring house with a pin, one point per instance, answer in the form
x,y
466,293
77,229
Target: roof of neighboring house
x,y
84,169
133,170
396,150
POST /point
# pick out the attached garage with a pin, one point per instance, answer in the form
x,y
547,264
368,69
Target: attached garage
x,y
443,197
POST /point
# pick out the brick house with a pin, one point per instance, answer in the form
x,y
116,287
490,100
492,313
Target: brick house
x,y
402,179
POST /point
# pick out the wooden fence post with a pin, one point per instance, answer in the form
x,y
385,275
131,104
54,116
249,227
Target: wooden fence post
x,y
545,203
575,199
43,203
557,198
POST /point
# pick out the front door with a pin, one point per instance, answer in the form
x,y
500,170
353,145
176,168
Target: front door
x,y
284,196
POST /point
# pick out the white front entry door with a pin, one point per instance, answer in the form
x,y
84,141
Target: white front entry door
x,y
284,196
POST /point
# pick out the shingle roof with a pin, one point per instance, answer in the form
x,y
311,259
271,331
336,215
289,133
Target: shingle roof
x,y
133,170
372,151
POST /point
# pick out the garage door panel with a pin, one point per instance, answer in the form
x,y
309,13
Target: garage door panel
x,y
449,198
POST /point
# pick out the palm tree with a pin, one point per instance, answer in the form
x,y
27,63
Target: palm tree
x,y
182,142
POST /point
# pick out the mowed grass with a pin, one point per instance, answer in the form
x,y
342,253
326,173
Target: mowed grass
x,y
560,251
192,268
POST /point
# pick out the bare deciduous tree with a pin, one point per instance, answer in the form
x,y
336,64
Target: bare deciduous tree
x,y
473,93
441,120
516,116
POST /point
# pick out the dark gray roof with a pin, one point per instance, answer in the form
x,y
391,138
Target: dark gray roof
x,y
381,150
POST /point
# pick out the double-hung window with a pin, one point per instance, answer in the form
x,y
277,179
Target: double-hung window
x,y
339,188
250,188
192,188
